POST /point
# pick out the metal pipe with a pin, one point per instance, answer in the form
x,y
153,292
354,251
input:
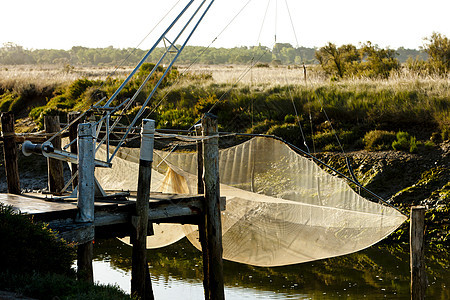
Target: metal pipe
x,y
138,115
148,54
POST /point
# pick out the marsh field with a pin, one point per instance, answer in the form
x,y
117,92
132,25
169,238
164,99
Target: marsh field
x,y
396,130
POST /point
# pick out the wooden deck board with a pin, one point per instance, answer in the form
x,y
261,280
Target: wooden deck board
x,y
60,214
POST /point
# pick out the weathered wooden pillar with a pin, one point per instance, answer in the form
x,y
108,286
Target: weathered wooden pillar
x,y
213,220
140,277
10,153
71,116
416,240
55,166
202,223
86,192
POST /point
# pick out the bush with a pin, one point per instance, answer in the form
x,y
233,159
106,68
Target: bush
x,y
56,286
23,243
6,100
377,140
288,132
405,142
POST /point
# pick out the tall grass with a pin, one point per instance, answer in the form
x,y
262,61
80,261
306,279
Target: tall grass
x,y
250,98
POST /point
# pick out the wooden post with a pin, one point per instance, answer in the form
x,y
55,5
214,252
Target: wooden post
x,y
86,199
71,116
55,166
10,153
202,223
140,277
416,238
212,206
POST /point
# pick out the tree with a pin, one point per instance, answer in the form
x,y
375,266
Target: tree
x,y
337,61
438,49
377,62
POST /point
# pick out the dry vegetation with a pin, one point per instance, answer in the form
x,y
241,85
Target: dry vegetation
x,y
52,75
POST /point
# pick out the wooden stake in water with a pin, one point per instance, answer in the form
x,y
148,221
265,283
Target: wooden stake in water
x,y
416,239
212,207
86,192
140,277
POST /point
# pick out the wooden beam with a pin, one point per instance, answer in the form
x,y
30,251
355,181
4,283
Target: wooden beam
x,y
55,167
10,154
71,117
213,225
416,240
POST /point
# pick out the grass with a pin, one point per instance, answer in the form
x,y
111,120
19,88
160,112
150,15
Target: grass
x,y
25,270
419,105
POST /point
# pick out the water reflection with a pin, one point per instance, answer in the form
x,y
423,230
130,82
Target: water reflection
x,y
375,273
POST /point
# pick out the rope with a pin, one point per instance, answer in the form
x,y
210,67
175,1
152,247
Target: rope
x,y
262,24
292,23
296,114
276,21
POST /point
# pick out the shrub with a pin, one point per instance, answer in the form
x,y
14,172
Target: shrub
x,y
24,241
288,132
6,100
405,142
56,286
77,88
290,119
377,140
261,127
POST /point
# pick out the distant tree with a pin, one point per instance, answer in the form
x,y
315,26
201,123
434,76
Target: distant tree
x,y
337,61
438,49
14,54
377,62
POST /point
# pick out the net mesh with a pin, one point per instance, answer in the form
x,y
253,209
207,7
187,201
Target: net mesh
x,y
281,208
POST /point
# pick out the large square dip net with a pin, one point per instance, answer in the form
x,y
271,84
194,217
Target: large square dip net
x,y
281,207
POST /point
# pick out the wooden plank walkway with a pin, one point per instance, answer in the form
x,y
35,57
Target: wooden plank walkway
x,y
112,217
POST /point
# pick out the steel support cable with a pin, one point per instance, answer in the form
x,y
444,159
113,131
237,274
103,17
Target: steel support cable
x,y
347,160
245,72
276,20
292,23
263,22
296,114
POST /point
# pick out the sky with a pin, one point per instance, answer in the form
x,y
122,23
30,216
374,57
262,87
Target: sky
x,y
57,24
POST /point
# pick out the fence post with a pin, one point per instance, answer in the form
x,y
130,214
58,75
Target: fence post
x,y
140,277
212,207
10,153
55,166
86,192
416,240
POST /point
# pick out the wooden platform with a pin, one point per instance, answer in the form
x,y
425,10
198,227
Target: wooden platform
x,y
112,217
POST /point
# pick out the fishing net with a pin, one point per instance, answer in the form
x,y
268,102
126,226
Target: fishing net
x,y
281,208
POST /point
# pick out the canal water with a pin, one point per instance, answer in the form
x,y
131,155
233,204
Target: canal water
x,y
379,272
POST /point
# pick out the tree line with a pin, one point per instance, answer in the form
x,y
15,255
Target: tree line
x,y
371,61
282,53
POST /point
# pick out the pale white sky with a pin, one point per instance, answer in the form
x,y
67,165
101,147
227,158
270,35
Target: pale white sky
x,y
61,24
